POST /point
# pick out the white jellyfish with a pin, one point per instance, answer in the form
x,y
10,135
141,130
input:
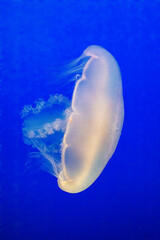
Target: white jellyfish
x,y
77,139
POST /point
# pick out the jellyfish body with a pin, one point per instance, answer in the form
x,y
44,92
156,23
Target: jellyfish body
x,y
94,125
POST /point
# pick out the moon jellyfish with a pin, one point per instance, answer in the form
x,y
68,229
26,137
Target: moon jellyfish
x,y
77,137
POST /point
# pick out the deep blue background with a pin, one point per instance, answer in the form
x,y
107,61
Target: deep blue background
x,y
36,38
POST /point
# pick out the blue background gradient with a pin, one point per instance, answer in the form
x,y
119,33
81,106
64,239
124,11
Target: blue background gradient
x,y
36,38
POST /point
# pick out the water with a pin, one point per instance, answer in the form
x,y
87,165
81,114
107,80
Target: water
x,y
37,38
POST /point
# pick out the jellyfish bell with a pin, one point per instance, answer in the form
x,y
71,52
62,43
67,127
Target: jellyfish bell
x,y
97,119
93,127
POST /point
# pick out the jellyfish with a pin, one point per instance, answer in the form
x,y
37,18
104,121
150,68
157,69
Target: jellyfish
x,y
77,137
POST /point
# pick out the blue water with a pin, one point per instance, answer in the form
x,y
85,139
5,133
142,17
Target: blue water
x,y
37,38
